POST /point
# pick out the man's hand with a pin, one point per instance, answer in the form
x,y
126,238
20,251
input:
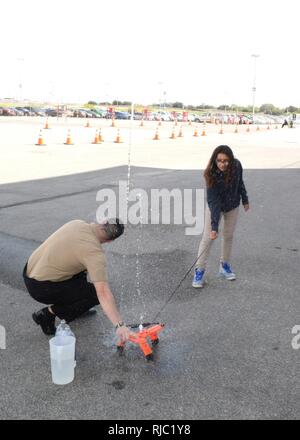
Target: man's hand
x,y
246,207
213,235
123,333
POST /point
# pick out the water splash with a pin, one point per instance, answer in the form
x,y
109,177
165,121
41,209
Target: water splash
x,y
127,198
138,262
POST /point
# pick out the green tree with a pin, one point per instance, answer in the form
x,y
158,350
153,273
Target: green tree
x,y
177,105
292,109
269,109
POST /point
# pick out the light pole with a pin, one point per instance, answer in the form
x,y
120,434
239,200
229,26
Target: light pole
x,y
255,56
21,78
160,85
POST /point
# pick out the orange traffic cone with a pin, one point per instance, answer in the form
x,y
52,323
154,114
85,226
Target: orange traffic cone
x,y
180,135
195,133
258,128
248,129
203,132
87,124
96,140
118,139
113,122
100,136
221,130
172,135
69,140
156,137
46,125
40,140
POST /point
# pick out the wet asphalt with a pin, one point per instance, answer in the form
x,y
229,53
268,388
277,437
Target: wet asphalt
x,y
226,351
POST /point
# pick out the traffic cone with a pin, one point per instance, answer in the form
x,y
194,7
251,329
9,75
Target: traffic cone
x,y
46,125
195,133
221,130
100,136
203,132
113,122
96,140
142,123
87,124
69,140
118,139
248,129
156,137
258,128
190,122
180,135
172,135
40,140
236,129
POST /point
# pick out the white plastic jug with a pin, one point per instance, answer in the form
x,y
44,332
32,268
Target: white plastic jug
x,y
62,355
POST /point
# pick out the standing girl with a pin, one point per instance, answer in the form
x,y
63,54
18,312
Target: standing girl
x,y
225,189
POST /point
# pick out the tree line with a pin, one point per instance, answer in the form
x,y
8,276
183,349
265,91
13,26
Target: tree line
x,y
269,109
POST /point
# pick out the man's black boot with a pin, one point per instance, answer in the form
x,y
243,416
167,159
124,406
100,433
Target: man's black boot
x,y
46,320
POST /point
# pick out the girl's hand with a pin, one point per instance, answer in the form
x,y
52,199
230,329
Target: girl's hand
x,y
246,207
213,235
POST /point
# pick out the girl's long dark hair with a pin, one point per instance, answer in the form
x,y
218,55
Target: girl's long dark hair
x,y
210,171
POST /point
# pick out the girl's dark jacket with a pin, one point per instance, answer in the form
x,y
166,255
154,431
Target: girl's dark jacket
x,y
224,198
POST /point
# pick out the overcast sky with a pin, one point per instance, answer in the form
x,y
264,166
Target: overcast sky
x,y
192,51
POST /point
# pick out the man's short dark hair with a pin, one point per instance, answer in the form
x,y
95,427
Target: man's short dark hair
x,y
113,228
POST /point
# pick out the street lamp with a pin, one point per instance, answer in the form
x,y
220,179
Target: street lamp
x,y
21,78
165,93
255,56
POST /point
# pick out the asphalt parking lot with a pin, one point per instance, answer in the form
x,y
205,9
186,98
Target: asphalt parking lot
x,y
225,352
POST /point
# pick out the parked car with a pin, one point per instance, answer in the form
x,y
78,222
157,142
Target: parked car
x,y
69,112
18,112
39,112
102,112
87,112
94,113
79,113
27,111
203,118
7,111
122,115
191,117
53,112
98,112
24,110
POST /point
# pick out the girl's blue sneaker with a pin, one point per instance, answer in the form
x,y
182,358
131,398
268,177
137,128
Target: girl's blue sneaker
x,y
226,272
198,280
